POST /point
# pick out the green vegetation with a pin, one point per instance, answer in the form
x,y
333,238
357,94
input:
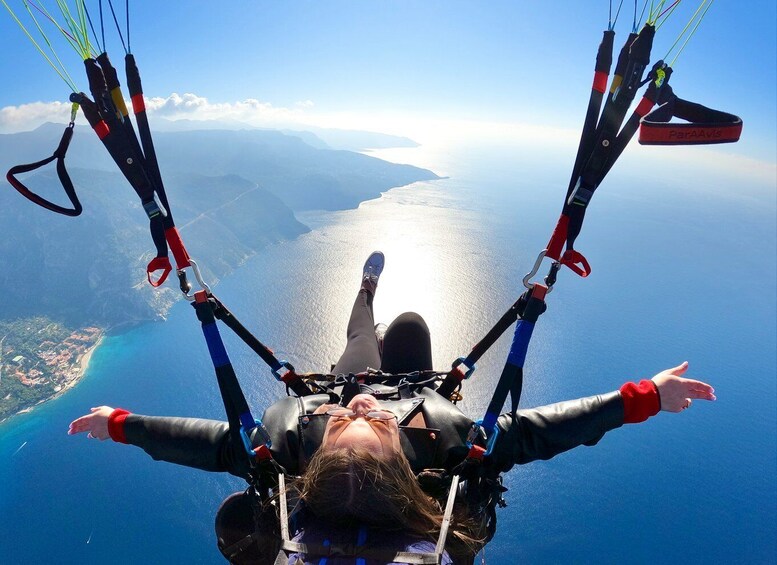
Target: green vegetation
x,y
38,359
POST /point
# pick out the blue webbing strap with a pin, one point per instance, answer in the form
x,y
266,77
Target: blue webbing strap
x,y
241,421
511,379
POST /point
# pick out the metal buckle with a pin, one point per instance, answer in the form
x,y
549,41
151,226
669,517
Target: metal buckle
x,y
154,208
580,196
289,368
476,430
463,361
261,430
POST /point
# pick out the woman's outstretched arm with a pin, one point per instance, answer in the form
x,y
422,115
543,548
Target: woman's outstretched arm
x,y
193,442
541,433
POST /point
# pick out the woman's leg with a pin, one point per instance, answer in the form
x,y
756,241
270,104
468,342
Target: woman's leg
x,y
361,350
407,346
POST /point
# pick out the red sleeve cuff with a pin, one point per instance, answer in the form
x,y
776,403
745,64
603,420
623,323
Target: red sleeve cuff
x,y
116,425
640,401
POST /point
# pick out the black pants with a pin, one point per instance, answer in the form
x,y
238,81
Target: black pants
x,y
407,346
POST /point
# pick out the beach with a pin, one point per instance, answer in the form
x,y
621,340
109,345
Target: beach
x,y
78,349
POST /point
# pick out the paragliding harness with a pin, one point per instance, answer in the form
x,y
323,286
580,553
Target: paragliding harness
x,y
602,141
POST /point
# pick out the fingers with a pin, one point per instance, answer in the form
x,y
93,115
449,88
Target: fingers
x,y
79,425
702,395
680,370
698,389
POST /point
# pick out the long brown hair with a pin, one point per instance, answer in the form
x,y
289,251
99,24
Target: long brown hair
x,y
353,487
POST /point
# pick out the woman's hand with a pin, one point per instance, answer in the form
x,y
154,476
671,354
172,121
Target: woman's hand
x,y
95,423
677,393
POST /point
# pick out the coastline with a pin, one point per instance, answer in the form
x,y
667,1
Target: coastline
x,y
76,374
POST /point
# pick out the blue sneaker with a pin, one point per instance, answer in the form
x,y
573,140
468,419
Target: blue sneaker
x,y
373,267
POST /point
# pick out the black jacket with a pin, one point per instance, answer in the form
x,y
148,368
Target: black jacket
x,y
537,433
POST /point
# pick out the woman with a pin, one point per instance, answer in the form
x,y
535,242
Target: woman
x,y
374,469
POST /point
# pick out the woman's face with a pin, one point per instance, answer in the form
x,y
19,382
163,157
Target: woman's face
x,y
380,437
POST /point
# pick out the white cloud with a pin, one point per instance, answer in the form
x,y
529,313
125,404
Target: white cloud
x,y
425,129
174,107
29,116
251,111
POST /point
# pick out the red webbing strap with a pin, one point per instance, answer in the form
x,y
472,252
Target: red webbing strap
x,y
138,104
176,245
174,241
101,129
688,134
644,106
600,81
702,125
558,239
157,264
576,262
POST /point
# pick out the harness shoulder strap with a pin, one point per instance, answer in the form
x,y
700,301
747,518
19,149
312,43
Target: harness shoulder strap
x,y
288,546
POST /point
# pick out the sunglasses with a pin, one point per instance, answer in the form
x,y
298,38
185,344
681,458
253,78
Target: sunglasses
x,y
348,414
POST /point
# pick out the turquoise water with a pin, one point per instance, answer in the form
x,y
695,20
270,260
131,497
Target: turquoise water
x,y
683,268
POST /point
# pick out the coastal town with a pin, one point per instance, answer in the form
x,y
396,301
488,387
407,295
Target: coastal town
x,y
39,359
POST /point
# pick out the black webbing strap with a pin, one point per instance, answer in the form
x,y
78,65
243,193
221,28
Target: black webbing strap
x,y
455,376
291,379
121,149
702,125
598,88
113,87
607,145
117,135
649,99
64,178
135,88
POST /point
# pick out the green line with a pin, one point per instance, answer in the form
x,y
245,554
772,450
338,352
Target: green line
x,y
654,12
79,33
685,29
64,77
84,26
693,31
67,36
48,42
666,16
42,9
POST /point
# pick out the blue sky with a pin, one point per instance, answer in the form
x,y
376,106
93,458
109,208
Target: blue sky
x,y
394,65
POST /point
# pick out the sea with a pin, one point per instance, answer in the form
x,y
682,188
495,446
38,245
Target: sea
x,y
682,244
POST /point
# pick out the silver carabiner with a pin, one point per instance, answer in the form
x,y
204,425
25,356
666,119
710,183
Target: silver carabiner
x,y
197,275
537,264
